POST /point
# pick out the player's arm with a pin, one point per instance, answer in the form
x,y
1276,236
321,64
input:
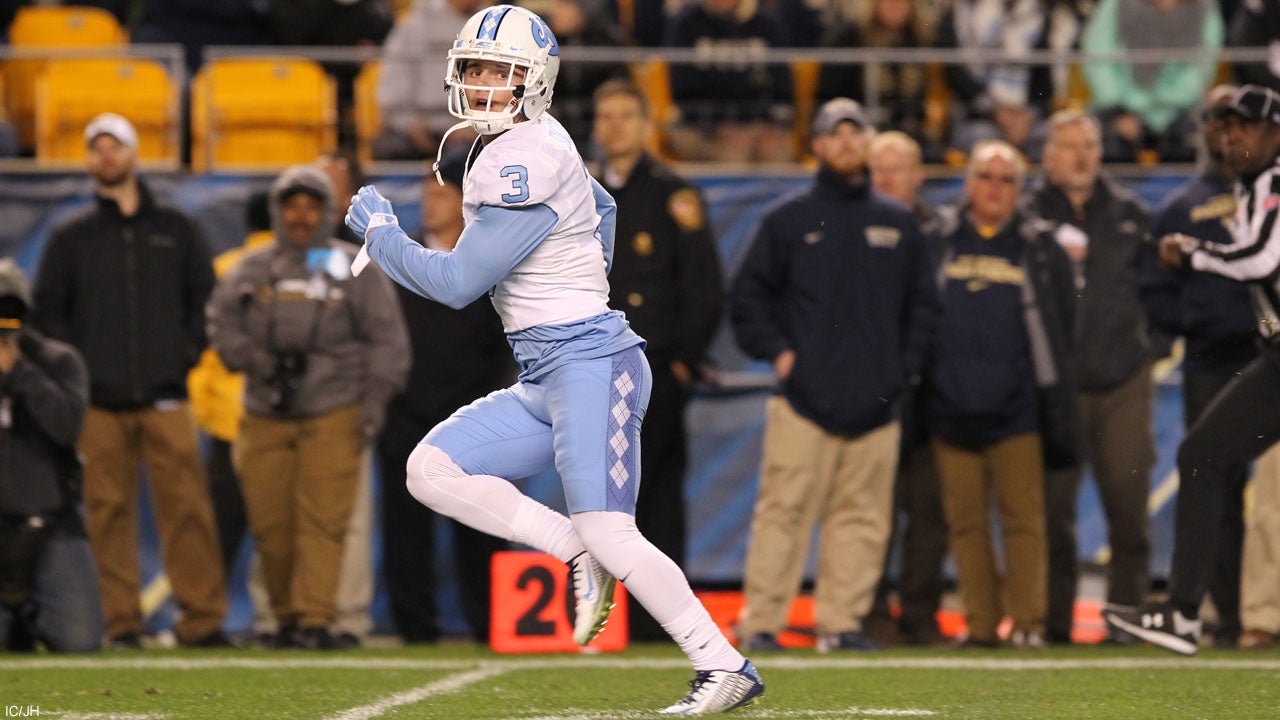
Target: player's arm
x,y
495,241
607,209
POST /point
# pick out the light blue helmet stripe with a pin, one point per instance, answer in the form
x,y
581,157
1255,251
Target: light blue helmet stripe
x,y
492,19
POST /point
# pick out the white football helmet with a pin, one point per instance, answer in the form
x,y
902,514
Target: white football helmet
x,y
505,34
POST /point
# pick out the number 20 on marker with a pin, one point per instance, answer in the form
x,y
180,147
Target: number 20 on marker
x,y
532,608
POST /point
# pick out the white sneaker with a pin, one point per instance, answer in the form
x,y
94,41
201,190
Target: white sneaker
x,y
714,691
593,596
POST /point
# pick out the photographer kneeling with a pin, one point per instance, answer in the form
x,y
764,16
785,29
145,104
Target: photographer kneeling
x,y
48,581
322,352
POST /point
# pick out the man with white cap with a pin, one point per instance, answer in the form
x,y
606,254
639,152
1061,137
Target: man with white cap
x,y
125,282
837,293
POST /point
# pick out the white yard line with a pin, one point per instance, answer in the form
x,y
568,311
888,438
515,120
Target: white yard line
x,y
452,683
159,661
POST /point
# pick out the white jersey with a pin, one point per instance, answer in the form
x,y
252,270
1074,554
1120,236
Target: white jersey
x,y
563,278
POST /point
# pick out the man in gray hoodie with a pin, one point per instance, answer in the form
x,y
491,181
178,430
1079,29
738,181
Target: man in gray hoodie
x,y
322,353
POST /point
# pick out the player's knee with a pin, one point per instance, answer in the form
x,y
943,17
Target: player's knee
x,y
427,473
611,537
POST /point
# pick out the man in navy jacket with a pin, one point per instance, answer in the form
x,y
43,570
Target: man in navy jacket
x,y
837,292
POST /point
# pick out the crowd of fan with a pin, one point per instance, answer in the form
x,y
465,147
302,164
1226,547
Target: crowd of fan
x,y
734,111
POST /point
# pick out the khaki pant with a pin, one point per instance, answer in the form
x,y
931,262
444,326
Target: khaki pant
x,y
1121,450
299,479
355,581
114,444
1013,468
1260,571
811,476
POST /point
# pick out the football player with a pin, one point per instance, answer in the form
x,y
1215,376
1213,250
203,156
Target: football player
x,y
539,239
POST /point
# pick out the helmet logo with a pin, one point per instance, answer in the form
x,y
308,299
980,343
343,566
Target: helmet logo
x,y
543,36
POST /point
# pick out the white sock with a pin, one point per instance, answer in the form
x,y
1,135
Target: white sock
x,y
658,585
489,504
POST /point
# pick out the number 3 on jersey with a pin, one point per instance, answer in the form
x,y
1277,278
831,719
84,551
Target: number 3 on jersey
x,y
519,177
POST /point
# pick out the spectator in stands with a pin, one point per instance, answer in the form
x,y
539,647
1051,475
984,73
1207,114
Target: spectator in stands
x,y
582,23
817,262
414,116
125,282
1004,331
666,275
217,402
918,520
901,86
196,24
1150,105
1102,227
47,592
732,108
996,99
458,356
331,22
1214,316
1256,24
642,23
322,353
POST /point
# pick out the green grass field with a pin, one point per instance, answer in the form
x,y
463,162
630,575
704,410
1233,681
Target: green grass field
x,y
467,682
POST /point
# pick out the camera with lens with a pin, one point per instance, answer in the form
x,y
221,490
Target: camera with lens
x,y
286,379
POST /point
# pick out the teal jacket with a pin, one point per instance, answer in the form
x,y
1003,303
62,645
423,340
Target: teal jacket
x,y
1178,86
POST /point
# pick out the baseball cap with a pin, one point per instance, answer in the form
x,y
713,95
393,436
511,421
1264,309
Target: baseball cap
x,y
114,125
1255,103
833,112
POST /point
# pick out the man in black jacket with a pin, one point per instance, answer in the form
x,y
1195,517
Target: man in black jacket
x,y
47,591
1102,227
666,275
837,293
125,282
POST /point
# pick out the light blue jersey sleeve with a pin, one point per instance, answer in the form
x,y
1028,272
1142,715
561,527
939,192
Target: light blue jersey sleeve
x,y
607,209
495,241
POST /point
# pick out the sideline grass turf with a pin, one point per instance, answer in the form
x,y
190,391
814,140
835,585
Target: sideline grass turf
x,y
465,682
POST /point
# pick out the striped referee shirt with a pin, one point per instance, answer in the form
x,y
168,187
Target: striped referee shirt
x,y
1254,253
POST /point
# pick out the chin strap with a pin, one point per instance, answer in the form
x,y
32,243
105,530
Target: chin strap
x,y
435,167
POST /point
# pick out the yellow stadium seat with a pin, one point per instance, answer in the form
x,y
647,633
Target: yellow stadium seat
x,y
50,27
367,113
69,93
261,114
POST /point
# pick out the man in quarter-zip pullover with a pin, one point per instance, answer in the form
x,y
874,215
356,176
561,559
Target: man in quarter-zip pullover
x,y
837,293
